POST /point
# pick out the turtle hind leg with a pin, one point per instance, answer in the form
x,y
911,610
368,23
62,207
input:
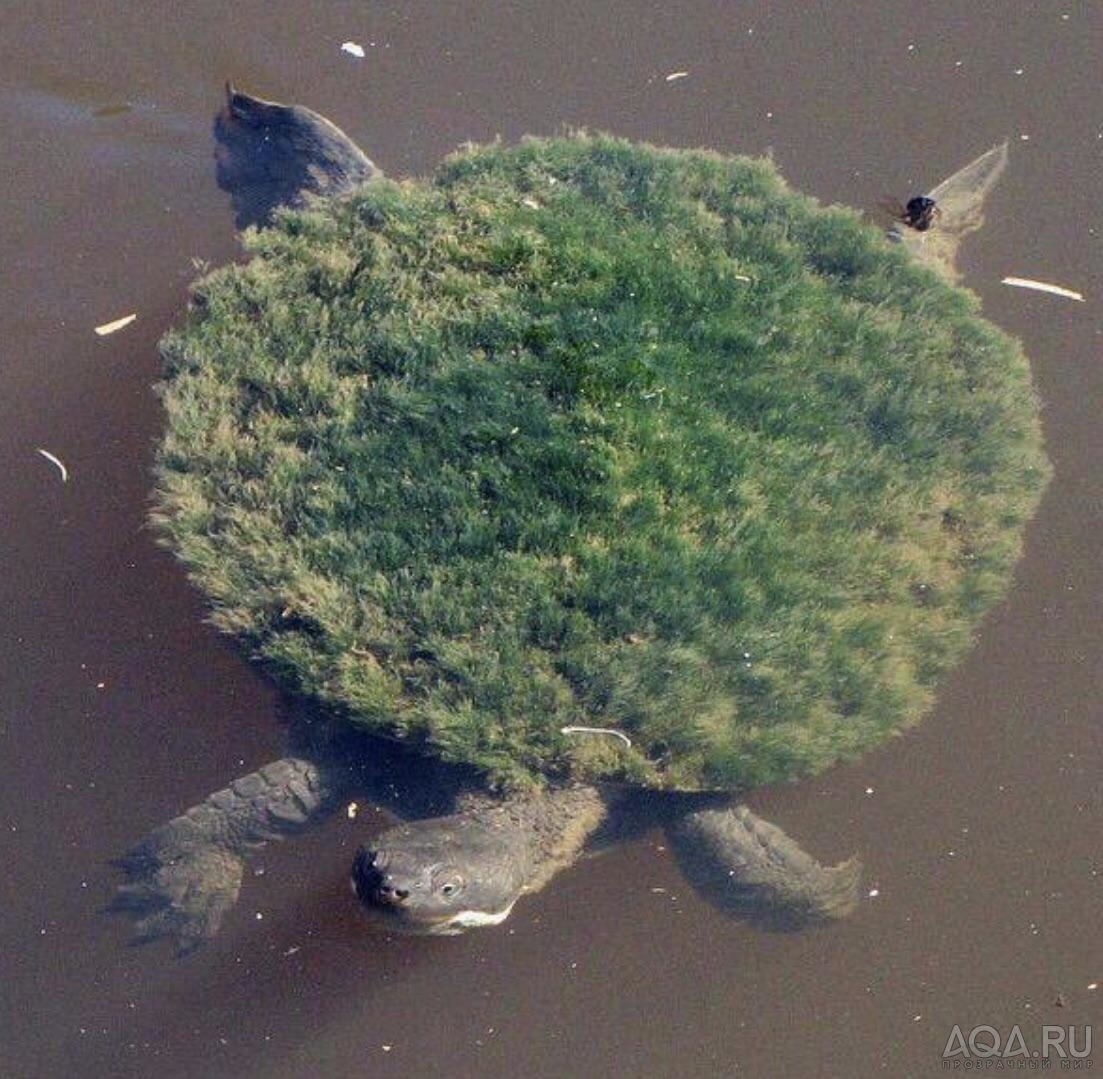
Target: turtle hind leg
x,y
269,155
744,864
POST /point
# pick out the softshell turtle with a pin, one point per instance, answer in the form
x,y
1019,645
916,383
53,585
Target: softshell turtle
x,y
582,472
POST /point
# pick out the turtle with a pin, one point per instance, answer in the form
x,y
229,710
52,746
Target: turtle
x,y
486,677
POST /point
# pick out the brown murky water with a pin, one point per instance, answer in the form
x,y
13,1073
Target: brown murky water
x,y
981,831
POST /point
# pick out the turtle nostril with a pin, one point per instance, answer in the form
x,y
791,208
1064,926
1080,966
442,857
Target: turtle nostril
x,y
387,892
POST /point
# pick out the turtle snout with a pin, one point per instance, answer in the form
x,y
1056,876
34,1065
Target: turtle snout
x,y
372,882
389,892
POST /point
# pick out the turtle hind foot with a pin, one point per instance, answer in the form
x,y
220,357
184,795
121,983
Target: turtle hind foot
x,y
177,891
750,867
269,155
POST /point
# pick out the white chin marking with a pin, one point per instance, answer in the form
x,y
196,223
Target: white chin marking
x,y
472,919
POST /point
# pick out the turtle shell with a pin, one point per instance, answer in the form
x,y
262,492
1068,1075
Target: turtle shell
x,y
580,433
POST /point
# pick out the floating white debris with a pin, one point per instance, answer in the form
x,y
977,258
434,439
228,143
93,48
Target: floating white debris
x,y
351,810
675,75
113,327
598,730
57,463
1043,286
353,49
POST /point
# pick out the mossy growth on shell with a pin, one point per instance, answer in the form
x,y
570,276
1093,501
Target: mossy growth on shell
x,y
586,433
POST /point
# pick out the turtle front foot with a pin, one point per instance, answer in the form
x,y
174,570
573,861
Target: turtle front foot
x,y
177,889
745,864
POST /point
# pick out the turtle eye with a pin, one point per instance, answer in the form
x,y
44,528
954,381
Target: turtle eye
x,y
452,886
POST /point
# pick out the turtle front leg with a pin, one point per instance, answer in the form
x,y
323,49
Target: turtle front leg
x,y
186,874
743,863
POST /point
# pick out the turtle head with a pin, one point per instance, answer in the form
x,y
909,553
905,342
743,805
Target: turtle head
x,y
441,876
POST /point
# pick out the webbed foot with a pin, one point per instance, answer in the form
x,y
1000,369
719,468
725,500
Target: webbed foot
x,y
960,200
745,864
185,875
176,890
269,155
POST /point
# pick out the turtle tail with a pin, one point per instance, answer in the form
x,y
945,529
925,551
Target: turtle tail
x,y
740,862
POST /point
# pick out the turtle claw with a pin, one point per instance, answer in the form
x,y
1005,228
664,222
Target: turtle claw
x,y
182,895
